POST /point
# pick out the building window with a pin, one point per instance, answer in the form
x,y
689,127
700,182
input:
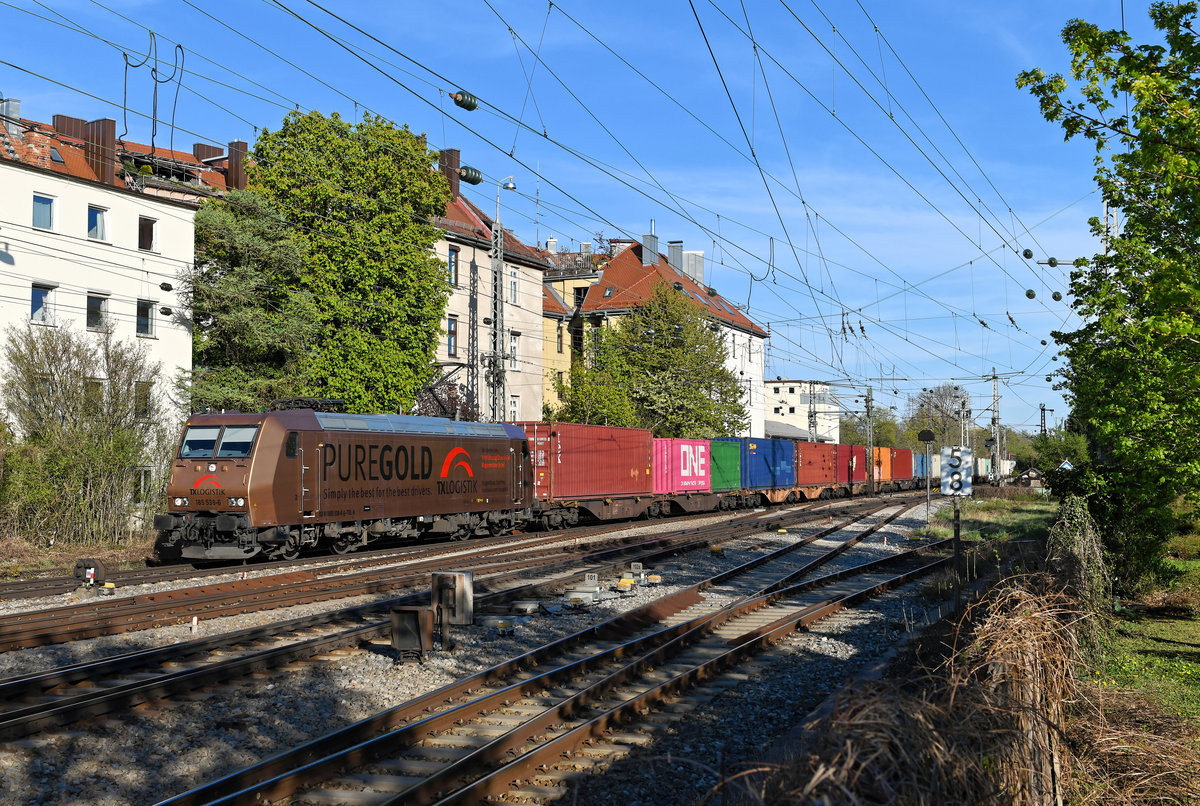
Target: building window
x,y
791,390
775,391
512,350
512,286
93,395
608,292
514,408
777,409
97,312
452,336
452,266
141,399
56,157
791,409
96,229
145,317
580,294
43,212
141,490
41,307
147,234
560,339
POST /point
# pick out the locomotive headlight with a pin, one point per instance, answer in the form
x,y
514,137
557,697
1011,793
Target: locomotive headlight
x,y
212,467
241,502
178,502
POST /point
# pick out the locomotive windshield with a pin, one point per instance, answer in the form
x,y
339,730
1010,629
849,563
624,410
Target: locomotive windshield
x,y
205,441
237,441
199,441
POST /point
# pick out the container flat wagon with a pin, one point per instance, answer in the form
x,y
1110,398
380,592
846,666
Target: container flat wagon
x,y
590,472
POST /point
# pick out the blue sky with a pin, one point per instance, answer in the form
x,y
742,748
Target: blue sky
x,y
896,169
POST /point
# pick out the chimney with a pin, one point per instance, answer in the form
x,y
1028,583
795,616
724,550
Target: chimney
x,y
675,255
100,148
204,151
448,164
235,170
693,266
69,126
649,250
10,109
619,245
552,245
585,247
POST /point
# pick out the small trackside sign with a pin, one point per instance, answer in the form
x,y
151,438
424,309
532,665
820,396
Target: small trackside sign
x,y
1066,465
956,470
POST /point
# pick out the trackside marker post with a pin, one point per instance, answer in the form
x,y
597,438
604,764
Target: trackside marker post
x,y
956,481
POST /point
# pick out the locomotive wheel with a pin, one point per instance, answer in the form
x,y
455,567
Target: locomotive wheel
x,y
341,546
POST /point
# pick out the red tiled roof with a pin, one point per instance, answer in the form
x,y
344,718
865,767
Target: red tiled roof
x,y
633,285
33,148
465,218
36,139
159,151
553,304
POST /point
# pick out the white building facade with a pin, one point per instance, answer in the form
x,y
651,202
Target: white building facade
x,y
466,351
800,410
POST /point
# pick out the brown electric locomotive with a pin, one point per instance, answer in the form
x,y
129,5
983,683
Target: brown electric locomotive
x,y
278,482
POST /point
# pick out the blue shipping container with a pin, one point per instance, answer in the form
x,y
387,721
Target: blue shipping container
x,y
768,463
920,470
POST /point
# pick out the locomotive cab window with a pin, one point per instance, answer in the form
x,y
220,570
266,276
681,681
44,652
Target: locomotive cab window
x,y
236,441
292,447
199,441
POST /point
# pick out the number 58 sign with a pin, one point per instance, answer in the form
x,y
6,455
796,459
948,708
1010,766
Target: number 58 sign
x,y
956,470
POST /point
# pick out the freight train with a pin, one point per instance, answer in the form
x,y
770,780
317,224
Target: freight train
x,y
277,483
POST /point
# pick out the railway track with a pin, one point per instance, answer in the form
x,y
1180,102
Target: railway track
x,y
45,700
515,722
62,584
109,616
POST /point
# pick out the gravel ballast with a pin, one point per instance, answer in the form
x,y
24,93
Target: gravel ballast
x,y
158,750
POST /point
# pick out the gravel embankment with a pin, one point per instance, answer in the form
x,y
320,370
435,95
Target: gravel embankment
x,y
156,751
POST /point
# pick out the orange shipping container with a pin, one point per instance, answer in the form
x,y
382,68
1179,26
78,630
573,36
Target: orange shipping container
x,y
883,464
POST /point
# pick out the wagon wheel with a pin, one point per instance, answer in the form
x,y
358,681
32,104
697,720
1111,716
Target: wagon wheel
x,y
341,546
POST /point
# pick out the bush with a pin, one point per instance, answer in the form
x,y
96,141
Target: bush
x,y
90,440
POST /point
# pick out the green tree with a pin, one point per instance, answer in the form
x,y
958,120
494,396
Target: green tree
x,y
1130,373
598,392
662,367
252,330
363,195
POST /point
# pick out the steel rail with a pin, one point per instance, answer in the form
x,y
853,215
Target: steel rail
x,y
62,710
321,758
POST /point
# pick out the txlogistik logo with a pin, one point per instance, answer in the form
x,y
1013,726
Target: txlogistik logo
x,y
447,486
211,478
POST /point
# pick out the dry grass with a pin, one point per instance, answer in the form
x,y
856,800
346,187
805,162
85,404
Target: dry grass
x,y
1128,750
21,559
984,727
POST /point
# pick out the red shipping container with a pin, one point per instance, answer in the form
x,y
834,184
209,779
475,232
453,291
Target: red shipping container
x,y
815,463
573,461
902,464
682,466
857,463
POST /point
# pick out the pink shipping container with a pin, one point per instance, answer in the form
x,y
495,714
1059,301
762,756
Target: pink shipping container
x,y
573,461
816,463
682,466
902,464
